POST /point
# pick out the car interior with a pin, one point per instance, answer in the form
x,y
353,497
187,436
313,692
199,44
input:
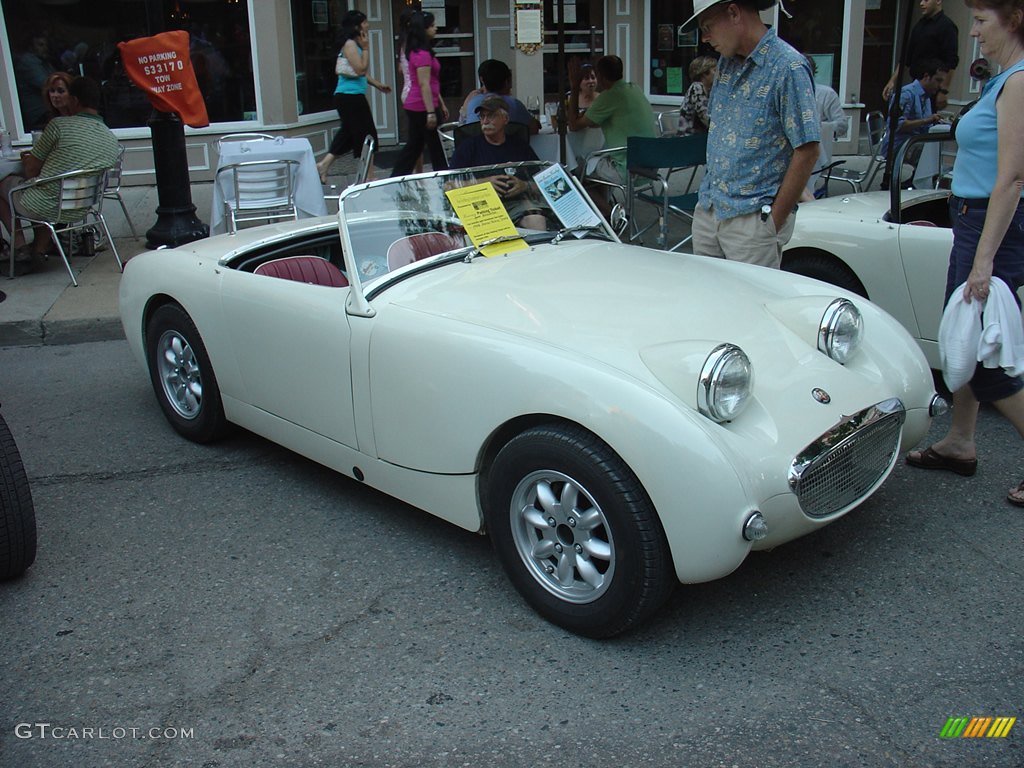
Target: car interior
x,y
927,212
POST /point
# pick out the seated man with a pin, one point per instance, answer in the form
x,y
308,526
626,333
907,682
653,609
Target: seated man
x,y
496,80
493,147
620,110
78,142
915,107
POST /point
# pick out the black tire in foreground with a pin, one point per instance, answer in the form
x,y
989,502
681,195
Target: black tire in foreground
x,y
576,532
182,375
17,515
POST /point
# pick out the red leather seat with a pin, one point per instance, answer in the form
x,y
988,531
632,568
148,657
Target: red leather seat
x,y
922,223
420,246
304,269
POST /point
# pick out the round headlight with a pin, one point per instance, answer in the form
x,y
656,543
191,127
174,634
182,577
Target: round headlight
x,y
726,381
840,331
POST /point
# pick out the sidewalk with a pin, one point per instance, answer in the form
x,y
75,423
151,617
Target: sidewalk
x,y
43,307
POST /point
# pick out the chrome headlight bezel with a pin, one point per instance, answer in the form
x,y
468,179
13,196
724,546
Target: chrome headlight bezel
x,y
720,397
840,331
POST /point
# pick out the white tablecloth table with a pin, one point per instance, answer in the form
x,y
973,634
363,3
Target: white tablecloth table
x,y
309,193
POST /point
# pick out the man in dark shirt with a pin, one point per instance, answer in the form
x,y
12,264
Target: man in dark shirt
x,y
934,36
494,147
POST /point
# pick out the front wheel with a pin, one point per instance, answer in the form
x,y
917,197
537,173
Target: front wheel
x,y
17,515
576,533
182,375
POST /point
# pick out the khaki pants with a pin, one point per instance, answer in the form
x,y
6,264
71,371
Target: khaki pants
x,y
741,238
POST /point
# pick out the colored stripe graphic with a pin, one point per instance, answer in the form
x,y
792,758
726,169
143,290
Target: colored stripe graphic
x,y
977,727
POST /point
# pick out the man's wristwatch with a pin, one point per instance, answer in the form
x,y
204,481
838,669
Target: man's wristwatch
x,y
766,211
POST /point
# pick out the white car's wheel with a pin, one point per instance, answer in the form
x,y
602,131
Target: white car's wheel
x,y
824,267
17,515
182,376
576,532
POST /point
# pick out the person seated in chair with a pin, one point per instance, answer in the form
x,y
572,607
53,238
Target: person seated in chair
x,y
493,147
915,108
496,80
78,142
621,110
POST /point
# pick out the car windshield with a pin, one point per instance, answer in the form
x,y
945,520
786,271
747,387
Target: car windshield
x,y
388,226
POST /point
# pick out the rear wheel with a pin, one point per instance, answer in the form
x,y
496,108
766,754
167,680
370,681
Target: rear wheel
x,y
576,533
182,375
17,515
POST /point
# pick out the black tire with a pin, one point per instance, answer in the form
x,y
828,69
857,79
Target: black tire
x,y
17,515
616,568
182,376
827,268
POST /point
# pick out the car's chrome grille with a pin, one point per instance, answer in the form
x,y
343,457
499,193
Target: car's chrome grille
x,y
843,464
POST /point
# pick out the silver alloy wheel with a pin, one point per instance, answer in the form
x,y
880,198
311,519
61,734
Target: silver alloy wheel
x,y
180,374
562,536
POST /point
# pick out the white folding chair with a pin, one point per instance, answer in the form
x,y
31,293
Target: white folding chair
x,y
113,189
79,206
264,190
446,131
860,181
365,160
668,123
243,137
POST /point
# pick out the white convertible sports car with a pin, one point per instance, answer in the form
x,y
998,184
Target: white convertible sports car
x,y
617,419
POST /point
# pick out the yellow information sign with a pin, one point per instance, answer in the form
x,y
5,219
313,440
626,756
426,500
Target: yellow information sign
x,y
485,218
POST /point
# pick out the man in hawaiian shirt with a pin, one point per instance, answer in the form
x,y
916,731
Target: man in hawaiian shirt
x,y
763,138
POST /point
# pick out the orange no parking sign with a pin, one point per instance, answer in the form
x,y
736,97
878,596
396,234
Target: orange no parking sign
x,y
160,65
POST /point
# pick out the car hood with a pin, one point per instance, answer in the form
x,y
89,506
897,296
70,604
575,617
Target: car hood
x,y
610,302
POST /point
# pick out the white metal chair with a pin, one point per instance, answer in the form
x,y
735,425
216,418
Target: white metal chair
x,y
243,137
446,131
587,173
79,206
365,160
264,190
668,123
112,191
860,181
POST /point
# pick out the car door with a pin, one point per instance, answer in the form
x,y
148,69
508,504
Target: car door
x,y
291,341
925,254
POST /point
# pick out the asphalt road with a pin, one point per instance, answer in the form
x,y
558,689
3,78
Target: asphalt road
x,y
237,605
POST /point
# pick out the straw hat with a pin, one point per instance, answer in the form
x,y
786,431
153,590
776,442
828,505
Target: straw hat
x,y
699,6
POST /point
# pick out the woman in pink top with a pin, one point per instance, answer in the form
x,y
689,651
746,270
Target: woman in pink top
x,y
423,106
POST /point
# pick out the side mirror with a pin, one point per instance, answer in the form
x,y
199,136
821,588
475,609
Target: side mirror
x,y
618,219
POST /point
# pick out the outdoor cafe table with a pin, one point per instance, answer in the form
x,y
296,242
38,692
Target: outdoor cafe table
x,y
309,193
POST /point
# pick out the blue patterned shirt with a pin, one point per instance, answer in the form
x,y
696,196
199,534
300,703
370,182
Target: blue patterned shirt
x,y
762,108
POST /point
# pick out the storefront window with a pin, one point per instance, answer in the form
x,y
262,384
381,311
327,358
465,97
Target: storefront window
x,y
584,38
81,36
816,30
671,49
315,25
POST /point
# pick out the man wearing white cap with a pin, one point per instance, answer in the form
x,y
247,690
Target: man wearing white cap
x,y
763,138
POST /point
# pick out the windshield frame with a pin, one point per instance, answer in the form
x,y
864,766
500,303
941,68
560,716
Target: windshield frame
x,y
433,183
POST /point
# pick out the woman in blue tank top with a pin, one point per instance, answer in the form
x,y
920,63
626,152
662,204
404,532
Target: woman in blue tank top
x,y
988,225
350,95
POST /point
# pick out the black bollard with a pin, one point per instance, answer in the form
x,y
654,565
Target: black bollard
x,y
176,215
